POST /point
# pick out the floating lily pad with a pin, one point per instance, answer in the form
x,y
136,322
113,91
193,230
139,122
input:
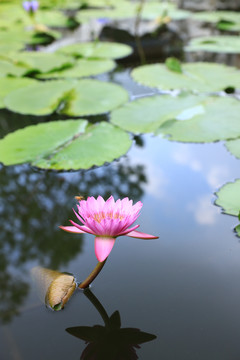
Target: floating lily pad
x,y
81,68
9,84
94,97
215,44
185,118
64,145
38,99
198,76
40,61
228,197
74,98
9,69
230,18
237,229
234,147
97,50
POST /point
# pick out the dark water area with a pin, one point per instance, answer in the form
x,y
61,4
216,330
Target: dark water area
x,y
183,288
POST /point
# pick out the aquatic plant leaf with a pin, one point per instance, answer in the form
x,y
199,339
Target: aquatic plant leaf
x,y
65,145
73,98
234,147
231,19
195,76
81,68
228,197
8,84
94,97
32,142
9,69
173,64
97,50
38,99
213,119
98,144
237,229
215,44
148,114
39,61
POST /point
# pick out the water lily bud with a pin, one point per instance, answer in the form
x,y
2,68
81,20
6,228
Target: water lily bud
x,y
54,288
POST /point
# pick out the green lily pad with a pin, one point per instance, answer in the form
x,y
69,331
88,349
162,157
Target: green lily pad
x,y
38,99
213,119
81,68
99,144
73,98
237,229
185,118
9,84
64,145
97,50
234,147
215,44
230,18
198,76
9,69
40,61
94,97
228,197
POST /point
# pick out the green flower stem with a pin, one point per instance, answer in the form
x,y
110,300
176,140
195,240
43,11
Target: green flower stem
x,y
85,284
96,303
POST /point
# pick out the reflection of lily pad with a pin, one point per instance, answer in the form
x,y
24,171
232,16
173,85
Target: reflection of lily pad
x,y
99,50
234,147
65,145
9,84
195,76
217,44
77,98
82,68
185,118
228,197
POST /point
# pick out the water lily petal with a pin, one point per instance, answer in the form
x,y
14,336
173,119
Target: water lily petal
x,y
83,228
72,229
129,230
141,235
103,247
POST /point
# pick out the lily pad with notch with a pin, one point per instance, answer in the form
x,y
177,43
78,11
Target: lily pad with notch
x,y
64,145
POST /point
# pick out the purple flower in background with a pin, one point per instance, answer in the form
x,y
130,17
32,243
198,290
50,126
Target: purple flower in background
x,y
30,6
104,20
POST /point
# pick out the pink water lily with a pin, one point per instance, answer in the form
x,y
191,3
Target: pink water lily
x,y
107,220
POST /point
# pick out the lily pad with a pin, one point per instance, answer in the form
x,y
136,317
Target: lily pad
x,y
234,147
97,50
9,84
38,99
230,18
186,118
9,69
73,98
228,197
39,61
198,76
64,145
216,44
81,68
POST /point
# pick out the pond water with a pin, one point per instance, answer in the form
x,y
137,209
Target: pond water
x,y
183,287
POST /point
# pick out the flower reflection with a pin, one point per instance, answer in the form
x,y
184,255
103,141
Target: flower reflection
x,y
109,342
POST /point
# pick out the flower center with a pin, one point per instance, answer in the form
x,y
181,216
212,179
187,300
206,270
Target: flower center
x,y
109,215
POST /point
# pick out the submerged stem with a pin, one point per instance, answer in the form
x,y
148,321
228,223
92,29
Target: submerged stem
x,y
93,275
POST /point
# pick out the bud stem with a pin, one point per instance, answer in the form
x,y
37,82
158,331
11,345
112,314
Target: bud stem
x,y
85,284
